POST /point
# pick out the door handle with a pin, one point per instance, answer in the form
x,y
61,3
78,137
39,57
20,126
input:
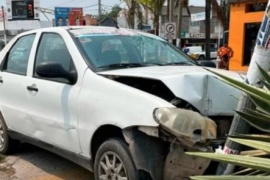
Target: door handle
x,y
32,88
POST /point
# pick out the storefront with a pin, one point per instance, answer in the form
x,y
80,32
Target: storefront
x,y
198,39
245,21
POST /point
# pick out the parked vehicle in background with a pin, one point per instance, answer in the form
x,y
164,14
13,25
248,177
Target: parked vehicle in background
x,y
193,49
196,53
121,103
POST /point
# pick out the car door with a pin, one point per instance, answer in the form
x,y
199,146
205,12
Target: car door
x,y
13,85
53,108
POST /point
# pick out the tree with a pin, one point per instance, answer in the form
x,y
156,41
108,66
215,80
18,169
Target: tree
x,y
181,4
155,6
222,10
111,14
114,12
134,9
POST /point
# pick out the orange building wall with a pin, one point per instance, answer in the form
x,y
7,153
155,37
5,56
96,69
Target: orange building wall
x,y
238,18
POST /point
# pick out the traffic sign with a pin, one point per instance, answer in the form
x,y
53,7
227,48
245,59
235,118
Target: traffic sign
x,y
170,30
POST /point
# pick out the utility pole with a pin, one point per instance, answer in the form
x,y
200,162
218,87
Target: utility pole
x,y
168,9
99,10
260,56
171,11
179,23
207,29
4,25
171,15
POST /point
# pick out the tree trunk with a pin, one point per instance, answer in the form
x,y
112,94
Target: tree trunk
x,y
260,56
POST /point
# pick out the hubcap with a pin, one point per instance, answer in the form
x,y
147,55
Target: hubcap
x,y
2,140
111,167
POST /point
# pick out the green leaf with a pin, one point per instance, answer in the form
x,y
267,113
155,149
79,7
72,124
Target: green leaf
x,y
258,137
230,177
267,85
250,90
257,163
256,121
261,105
264,74
258,114
265,146
254,153
244,171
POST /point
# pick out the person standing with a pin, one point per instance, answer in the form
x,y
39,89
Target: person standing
x,y
185,49
224,53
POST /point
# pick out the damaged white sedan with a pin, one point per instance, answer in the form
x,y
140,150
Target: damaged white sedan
x,y
121,103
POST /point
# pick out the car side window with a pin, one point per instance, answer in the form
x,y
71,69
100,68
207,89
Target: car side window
x,y
17,58
52,48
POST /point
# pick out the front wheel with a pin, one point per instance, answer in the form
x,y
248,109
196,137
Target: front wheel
x,y
201,57
113,162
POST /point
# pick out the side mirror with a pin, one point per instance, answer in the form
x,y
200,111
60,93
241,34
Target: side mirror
x,y
55,70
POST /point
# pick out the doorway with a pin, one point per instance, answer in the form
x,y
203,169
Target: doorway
x,y
251,31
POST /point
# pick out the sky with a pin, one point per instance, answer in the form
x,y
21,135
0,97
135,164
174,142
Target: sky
x,y
90,6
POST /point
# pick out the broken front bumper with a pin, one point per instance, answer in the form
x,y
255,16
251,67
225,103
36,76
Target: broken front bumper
x,y
161,151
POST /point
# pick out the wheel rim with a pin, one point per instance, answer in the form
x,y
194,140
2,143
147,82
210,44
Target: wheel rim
x,y
2,140
111,167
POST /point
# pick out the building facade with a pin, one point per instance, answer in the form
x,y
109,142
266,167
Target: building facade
x,y
193,32
245,20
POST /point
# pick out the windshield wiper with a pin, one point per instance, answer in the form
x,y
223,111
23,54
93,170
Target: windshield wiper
x,y
122,65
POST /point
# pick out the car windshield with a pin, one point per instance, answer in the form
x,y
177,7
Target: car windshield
x,y
114,51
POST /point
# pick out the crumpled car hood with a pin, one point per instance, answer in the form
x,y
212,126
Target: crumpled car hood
x,y
193,84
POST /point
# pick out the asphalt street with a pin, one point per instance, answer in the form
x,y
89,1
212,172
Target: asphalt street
x,y
32,163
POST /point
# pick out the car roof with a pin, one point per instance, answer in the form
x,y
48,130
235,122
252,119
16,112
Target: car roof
x,y
82,30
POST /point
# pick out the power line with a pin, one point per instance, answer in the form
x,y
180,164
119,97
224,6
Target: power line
x,y
86,7
62,3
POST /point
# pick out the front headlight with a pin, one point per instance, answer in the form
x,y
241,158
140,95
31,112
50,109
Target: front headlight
x,y
188,126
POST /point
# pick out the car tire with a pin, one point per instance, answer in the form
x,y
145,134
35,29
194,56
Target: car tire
x,y
7,145
113,159
201,57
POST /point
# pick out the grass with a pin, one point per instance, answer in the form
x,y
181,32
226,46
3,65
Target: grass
x,y
2,158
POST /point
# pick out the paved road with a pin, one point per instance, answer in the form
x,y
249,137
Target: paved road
x,y
32,163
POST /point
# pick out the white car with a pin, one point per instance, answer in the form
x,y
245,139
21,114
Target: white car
x,y
196,52
122,103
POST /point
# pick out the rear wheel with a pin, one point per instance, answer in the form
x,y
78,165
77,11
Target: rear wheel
x,y
7,145
113,162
